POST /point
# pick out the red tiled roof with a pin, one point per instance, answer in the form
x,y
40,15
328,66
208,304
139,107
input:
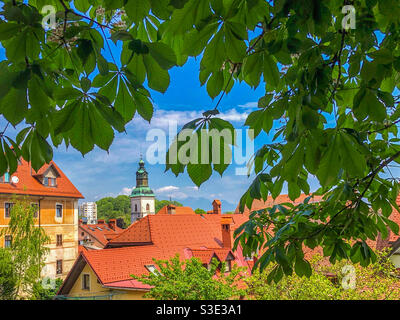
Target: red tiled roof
x,y
104,234
178,210
283,198
187,235
204,255
29,185
138,232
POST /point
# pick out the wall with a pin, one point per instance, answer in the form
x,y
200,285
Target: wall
x,y
96,289
67,225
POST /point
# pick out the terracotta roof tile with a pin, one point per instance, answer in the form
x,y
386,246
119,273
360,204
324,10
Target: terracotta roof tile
x,y
137,232
178,210
101,232
29,185
283,198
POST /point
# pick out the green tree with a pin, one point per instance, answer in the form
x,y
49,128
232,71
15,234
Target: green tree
x,y
114,208
8,280
120,207
162,203
27,250
190,280
330,92
41,293
200,211
378,281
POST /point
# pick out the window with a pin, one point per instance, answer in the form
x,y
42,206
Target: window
x,y
147,207
85,282
59,267
228,266
59,210
135,207
7,241
52,182
5,178
7,209
59,240
36,208
152,269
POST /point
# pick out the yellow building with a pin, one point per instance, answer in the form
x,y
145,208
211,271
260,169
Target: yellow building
x,y
56,200
107,273
84,283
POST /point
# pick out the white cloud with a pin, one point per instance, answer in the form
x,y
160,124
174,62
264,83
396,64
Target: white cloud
x,y
249,105
167,189
178,195
126,191
171,192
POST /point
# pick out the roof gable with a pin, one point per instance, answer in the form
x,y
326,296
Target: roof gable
x,y
29,185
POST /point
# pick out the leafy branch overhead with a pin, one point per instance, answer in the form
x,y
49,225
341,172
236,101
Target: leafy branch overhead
x,y
330,103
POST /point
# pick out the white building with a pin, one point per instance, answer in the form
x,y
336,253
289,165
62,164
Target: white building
x,y
88,210
142,197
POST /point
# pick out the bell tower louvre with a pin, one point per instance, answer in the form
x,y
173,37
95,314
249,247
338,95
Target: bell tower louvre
x,y
142,197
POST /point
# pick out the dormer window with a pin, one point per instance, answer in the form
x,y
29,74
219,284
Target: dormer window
x,y
228,266
49,182
152,269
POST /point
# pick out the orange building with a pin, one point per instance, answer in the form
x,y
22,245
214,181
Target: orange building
x,y
106,273
96,236
56,199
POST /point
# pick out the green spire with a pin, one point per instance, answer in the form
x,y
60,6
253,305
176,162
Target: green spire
x,y
142,182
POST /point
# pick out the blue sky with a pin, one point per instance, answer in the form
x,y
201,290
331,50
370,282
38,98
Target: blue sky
x,y
100,174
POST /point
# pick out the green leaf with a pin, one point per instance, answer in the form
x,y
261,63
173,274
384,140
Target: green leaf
x,y
196,41
9,30
302,268
329,167
102,64
137,10
103,134
163,54
40,150
199,173
81,135
157,77
14,106
215,84
124,103
271,73
351,157
143,105
11,158
85,84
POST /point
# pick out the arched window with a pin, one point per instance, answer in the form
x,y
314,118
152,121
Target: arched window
x,y
147,207
135,207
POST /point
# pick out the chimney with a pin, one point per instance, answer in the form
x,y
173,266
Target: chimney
x,y
100,221
382,243
226,232
216,207
171,209
112,223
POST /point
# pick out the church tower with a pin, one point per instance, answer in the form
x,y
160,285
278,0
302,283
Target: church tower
x,y
142,197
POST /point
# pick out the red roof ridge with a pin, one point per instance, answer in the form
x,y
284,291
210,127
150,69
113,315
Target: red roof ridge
x,y
29,185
